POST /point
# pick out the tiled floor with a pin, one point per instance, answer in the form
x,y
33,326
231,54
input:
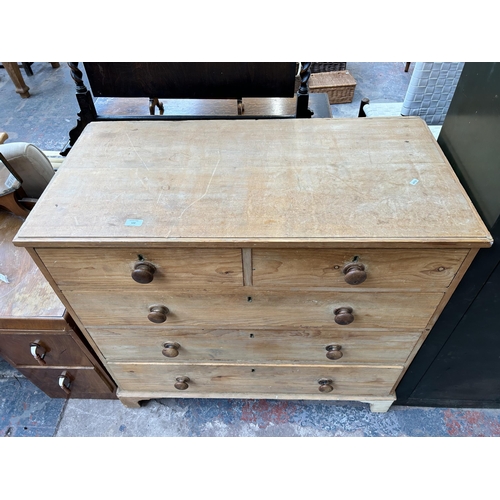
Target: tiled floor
x,y
45,119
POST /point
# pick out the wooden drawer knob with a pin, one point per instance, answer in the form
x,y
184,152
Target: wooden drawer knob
x,y
355,273
181,383
38,352
158,314
325,385
333,351
143,272
343,316
170,349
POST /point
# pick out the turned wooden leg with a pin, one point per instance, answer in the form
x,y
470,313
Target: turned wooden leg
x,y
14,72
155,102
55,65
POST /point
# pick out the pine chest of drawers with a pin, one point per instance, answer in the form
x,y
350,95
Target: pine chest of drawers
x,y
299,259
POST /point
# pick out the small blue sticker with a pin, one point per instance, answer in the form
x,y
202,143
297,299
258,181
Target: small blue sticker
x,y
133,222
413,182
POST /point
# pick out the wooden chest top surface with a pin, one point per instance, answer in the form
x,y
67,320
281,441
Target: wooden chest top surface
x,y
377,182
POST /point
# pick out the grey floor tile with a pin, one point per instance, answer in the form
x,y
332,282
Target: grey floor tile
x,y
25,411
269,418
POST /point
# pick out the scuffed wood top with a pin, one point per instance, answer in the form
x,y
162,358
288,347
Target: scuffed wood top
x,y
374,181
24,292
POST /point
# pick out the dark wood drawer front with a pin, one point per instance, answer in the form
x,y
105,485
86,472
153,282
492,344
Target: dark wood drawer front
x,y
42,349
83,383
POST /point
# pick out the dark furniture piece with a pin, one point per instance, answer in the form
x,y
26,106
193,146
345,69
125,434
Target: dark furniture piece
x,y
37,335
459,363
264,82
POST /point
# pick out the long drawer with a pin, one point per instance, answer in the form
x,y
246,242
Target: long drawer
x,y
171,268
175,345
255,379
256,308
402,268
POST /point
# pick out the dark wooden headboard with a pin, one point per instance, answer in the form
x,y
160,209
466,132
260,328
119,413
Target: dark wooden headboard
x,y
191,80
181,80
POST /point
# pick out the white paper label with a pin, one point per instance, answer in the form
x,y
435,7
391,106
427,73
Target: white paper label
x,y
11,181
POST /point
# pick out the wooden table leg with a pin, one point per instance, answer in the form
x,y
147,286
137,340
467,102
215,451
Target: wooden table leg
x,y
14,72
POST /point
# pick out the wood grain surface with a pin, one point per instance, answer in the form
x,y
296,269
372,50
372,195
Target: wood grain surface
x,y
175,267
260,309
401,269
226,379
308,181
276,346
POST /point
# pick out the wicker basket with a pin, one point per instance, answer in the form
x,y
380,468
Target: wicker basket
x,y
324,67
339,85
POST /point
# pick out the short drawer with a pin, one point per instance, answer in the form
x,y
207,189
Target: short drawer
x,y
41,349
256,308
176,345
166,268
84,383
255,379
420,269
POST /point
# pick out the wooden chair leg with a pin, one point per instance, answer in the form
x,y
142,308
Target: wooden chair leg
x,y
407,66
14,72
155,102
27,68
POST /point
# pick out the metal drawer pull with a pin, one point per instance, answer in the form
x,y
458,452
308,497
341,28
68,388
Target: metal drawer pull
x,y
38,352
143,272
343,316
355,274
333,351
325,385
181,383
65,382
170,349
158,314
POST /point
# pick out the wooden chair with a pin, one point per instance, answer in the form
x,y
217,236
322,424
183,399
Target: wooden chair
x,y
184,81
24,174
13,70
